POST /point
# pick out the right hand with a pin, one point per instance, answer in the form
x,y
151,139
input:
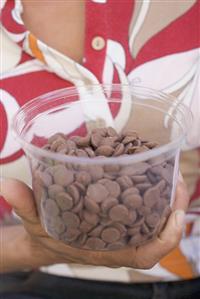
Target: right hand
x,y
29,246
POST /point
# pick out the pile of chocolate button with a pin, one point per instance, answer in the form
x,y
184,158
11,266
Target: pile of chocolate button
x,y
103,206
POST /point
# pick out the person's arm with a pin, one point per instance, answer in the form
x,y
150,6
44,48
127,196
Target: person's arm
x,y
32,247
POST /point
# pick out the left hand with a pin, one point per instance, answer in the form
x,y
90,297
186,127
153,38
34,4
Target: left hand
x,y
29,246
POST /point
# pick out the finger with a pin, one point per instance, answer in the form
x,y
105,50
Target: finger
x,y
20,197
181,201
150,254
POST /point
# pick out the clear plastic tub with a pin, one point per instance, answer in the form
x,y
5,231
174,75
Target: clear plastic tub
x,y
103,203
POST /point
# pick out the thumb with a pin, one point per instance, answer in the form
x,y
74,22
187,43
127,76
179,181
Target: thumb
x,y
21,198
167,241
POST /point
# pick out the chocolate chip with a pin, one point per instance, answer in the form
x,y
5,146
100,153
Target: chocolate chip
x,y
119,150
152,219
71,219
138,169
108,203
96,232
78,207
96,172
91,205
54,189
49,208
97,192
151,196
55,137
70,235
104,150
85,227
96,139
83,177
137,179
133,201
91,218
63,176
136,239
129,191
112,187
116,246
94,244
124,182
90,152
110,234
64,201
74,192
111,132
56,225
45,179
118,213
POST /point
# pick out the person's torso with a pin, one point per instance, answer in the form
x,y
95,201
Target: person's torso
x,y
146,43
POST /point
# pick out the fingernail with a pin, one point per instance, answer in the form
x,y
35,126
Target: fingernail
x,y
179,218
180,177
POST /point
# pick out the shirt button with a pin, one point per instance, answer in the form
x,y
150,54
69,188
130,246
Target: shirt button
x,y
98,43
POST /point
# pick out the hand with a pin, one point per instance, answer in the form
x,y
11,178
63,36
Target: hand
x,y
30,246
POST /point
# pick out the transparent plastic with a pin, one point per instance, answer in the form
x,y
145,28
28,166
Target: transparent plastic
x,y
122,218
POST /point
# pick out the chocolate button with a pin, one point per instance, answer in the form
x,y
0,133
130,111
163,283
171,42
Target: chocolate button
x,y
70,235
112,187
54,189
152,219
83,141
119,150
64,201
90,217
56,224
44,178
151,196
143,187
96,172
96,139
104,150
63,177
111,132
78,207
55,137
136,239
145,229
80,187
94,244
73,191
96,231
110,235
130,220
71,219
90,152
120,227
116,246
124,182
133,230
97,192
108,203
130,191
83,177
133,201
85,227
109,141
91,205
118,213
139,179
136,169
49,208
